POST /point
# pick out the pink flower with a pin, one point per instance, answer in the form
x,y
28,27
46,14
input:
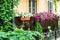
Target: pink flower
x,y
47,16
37,17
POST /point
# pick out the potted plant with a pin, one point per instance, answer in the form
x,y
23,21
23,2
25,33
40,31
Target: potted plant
x,y
49,19
25,16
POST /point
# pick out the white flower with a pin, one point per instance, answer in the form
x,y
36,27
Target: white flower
x,y
49,27
50,30
26,14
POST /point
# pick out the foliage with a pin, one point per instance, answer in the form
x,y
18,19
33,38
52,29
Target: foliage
x,y
55,4
19,34
6,14
38,27
22,14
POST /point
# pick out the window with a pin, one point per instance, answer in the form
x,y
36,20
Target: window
x,y
32,6
49,6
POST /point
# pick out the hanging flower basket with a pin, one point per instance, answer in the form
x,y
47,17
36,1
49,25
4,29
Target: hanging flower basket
x,y
25,18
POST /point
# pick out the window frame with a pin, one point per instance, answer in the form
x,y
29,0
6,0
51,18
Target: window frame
x,y
32,6
50,6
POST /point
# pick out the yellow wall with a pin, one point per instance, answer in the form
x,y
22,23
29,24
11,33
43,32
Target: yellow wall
x,y
42,5
58,8
23,6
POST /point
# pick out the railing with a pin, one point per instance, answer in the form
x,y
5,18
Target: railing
x,y
54,35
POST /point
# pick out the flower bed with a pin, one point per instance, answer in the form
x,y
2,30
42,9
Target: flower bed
x,y
46,19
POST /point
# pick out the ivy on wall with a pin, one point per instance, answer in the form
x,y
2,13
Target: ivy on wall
x,y
6,14
55,5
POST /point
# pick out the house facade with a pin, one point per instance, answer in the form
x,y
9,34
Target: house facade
x,y
33,6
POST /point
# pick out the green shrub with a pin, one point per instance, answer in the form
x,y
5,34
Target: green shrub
x,y
6,14
38,27
19,34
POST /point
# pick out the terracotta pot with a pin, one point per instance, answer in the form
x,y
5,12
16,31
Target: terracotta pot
x,y
25,18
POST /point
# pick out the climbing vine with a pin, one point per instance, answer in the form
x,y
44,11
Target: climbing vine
x,y
55,5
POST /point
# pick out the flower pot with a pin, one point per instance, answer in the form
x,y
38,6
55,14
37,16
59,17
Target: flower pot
x,y
25,18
